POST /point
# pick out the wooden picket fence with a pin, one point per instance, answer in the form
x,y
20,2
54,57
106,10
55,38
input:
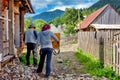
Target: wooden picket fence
x,y
116,53
103,45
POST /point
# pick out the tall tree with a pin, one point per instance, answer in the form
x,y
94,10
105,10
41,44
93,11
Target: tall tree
x,y
39,23
28,21
57,21
71,17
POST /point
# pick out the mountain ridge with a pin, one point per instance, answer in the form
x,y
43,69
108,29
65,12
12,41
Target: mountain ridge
x,y
48,16
101,3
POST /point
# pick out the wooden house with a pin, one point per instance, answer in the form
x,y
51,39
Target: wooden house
x,y
97,36
107,15
12,27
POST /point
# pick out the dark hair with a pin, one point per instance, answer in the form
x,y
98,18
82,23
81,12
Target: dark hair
x,y
45,27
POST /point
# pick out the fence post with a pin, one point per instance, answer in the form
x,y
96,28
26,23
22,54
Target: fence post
x,y
101,49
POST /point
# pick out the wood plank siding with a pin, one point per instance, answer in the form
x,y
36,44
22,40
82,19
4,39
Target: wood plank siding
x,y
108,16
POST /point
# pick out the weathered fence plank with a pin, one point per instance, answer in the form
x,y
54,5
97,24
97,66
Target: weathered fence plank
x,y
98,44
116,52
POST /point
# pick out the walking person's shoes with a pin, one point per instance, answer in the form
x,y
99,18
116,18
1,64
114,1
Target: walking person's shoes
x,y
35,65
40,74
27,64
38,71
46,76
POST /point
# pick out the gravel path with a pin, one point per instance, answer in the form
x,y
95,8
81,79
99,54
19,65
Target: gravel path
x,y
64,67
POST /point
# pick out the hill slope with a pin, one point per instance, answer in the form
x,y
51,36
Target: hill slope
x,y
101,3
48,16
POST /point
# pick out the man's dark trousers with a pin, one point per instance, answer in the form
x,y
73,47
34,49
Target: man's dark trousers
x,y
31,47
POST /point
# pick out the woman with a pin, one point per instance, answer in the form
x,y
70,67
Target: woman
x,y
44,39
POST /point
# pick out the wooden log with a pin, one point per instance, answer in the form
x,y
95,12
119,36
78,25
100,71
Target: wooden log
x,y
2,18
1,38
11,26
22,12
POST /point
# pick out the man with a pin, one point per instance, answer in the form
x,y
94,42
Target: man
x,y
30,38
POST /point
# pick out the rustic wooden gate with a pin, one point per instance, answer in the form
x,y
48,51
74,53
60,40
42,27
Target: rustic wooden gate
x,y
116,53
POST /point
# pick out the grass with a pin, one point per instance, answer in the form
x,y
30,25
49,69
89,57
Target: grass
x,y
23,58
67,62
73,41
95,67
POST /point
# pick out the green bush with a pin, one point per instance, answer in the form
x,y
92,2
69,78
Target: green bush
x,y
95,67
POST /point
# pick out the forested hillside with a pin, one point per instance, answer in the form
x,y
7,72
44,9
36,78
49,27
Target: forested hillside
x,y
48,16
101,3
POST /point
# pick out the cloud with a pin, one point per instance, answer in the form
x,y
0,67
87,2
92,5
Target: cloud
x,y
60,7
50,5
72,6
39,4
83,5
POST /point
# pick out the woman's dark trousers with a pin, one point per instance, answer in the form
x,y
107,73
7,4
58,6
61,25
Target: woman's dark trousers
x,y
30,47
45,52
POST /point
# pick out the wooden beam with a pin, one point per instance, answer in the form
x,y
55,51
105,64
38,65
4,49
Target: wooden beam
x,y
1,34
17,31
22,13
7,59
11,26
2,18
28,3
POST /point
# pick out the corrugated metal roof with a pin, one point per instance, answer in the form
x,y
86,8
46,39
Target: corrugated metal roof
x,y
88,20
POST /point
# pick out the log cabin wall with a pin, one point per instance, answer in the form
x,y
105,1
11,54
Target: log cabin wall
x,y
4,27
1,38
12,34
5,33
12,27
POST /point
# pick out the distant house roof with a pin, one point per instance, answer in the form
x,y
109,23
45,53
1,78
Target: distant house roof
x,y
88,20
54,29
105,26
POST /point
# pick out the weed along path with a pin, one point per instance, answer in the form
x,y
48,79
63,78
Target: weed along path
x,y
64,67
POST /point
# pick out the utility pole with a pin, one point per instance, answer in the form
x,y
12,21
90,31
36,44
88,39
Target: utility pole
x,y
78,15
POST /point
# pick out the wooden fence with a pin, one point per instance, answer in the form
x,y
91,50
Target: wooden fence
x,y
104,46
98,44
116,53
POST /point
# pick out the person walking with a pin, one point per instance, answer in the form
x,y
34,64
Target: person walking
x,y
30,38
44,39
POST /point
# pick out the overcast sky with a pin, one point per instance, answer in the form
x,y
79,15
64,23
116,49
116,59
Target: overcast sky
x,y
40,6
